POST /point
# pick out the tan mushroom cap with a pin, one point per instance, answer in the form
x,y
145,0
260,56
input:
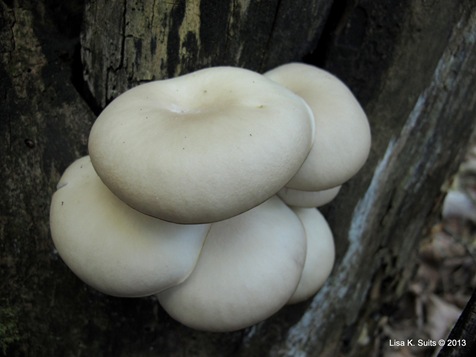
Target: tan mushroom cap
x,y
308,199
249,267
343,137
320,254
113,248
202,147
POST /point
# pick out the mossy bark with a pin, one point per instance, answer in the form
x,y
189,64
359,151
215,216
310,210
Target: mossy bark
x,y
128,42
412,64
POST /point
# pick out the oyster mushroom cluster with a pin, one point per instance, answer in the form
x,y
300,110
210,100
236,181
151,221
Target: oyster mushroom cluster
x,y
202,190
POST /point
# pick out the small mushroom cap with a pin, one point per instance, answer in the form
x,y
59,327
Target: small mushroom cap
x,y
308,199
249,267
320,254
113,248
202,147
343,138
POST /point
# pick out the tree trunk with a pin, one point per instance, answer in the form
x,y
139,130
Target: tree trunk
x,y
463,332
129,42
412,64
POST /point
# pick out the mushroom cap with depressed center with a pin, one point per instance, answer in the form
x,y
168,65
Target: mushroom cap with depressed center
x,y
343,137
115,249
202,147
249,267
320,254
308,199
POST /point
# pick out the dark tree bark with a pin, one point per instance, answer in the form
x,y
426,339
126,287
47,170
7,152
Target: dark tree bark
x,y
463,333
412,64
128,42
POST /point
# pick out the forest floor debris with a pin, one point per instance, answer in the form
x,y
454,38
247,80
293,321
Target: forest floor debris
x,y
445,277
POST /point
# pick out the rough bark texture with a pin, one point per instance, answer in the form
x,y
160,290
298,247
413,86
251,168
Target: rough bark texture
x,y
411,63
128,42
463,332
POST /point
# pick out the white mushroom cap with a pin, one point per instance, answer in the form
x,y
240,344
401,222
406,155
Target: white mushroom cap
x,y
320,254
459,205
308,199
202,147
114,248
342,141
249,267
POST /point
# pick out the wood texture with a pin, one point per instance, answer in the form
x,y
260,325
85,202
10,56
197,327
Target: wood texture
x,y
127,42
412,64
462,335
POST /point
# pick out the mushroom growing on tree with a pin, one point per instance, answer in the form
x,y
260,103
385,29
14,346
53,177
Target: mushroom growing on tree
x,y
342,142
249,268
299,198
114,248
202,147
179,196
320,254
